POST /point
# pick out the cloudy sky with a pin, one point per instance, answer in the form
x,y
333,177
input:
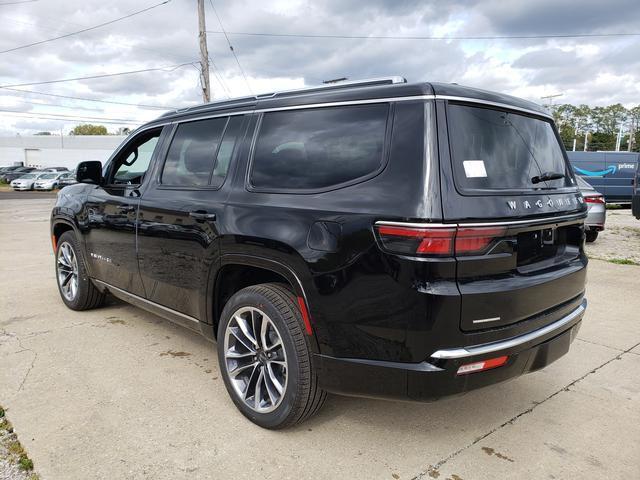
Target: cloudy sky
x,y
593,70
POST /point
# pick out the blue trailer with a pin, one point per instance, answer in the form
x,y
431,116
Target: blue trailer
x,y
610,173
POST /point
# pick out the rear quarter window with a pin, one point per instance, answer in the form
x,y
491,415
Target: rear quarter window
x,y
316,149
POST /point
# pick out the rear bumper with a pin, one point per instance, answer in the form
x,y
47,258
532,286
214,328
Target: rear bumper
x,y
437,376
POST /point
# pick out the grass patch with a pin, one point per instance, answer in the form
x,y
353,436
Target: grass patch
x,y
613,206
13,451
25,463
622,261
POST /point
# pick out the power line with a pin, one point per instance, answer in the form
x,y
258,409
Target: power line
x,y
63,120
85,29
122,120
409,37
168,68
87,99
164,52
230,46
16,3
56,105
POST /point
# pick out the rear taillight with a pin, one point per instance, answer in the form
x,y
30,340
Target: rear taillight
x,y
594,199
441,241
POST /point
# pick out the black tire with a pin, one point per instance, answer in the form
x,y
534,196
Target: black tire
x,y
591,235
87,296
302,397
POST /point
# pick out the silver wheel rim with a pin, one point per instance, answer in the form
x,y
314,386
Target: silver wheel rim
x,y
255,359
67,265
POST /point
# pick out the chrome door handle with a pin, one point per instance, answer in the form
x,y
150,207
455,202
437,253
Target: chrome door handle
x,y
200,215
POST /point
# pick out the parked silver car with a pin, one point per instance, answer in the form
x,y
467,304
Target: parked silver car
x,y
26,181
48,181
597,209
67,178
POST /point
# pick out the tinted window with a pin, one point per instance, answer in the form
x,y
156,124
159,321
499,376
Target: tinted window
x,y
312,149
132,164
192,152
495,149
225,152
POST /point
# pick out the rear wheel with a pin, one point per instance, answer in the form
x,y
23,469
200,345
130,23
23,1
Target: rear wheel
x,y
591,235
265,358
76,289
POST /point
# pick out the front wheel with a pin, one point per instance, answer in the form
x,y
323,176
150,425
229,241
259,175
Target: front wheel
x,y
265,357
76,288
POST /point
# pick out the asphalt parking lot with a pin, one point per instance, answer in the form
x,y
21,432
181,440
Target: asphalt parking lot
x,y
118,393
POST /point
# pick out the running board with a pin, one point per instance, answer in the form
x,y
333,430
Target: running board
x,y
174,316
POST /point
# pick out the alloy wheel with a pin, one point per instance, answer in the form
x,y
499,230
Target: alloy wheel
x,y
255,359
67,263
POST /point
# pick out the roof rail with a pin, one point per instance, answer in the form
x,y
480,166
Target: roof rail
x,y
328,86
338,86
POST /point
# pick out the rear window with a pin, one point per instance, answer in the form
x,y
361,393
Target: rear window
x,y
500,150
319,148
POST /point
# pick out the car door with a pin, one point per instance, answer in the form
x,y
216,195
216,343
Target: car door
x,y
177,234
111,210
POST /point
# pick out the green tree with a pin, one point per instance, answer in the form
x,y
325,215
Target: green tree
x,y
89,129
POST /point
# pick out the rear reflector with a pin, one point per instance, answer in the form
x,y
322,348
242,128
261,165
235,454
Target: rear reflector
x,y
437,241
481,366
594,199
305,315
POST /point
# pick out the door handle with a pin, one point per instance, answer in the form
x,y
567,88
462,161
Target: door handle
x,y
126,209
201,216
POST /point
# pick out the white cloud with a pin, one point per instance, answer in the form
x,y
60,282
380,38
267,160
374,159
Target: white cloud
x,y
592,70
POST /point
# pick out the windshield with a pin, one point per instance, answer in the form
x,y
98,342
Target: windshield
x,y
29,175
499,150
48,176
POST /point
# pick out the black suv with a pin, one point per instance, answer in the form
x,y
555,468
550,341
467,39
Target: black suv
x,y
373,238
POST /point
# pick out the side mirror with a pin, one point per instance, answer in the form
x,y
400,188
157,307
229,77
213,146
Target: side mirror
x,y
89,172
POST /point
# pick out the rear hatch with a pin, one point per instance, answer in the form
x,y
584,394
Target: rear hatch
x,y
507,184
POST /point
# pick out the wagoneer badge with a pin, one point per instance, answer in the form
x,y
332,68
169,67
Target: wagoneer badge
x,y
550,202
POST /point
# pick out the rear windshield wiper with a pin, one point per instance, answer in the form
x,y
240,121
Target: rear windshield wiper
x,y
547,176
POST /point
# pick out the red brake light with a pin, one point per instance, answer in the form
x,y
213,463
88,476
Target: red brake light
x,y
409,240
437,240
474,240
594,199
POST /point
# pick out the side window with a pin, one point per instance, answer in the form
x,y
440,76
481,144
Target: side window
x,y
192,153
131,165
319,148
225,152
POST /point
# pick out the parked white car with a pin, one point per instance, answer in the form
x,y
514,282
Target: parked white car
x,y
48,181
26,181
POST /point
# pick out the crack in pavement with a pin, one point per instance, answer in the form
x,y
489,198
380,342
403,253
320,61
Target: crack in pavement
x,y
432,470
600,345
23,349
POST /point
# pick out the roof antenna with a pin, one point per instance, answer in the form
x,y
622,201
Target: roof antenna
x,y
335,80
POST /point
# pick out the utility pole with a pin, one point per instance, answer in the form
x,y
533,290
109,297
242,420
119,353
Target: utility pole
x,y
204,54
619,138
550,98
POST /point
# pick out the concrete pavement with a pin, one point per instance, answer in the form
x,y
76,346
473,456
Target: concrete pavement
x,y
120,393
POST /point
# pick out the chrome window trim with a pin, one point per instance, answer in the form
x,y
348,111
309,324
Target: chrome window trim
x,y
493,104
532,221
482,349
479,101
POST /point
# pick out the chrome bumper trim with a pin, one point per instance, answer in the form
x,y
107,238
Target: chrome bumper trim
x,y
473,350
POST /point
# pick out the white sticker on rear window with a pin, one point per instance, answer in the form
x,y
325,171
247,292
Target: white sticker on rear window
x,y
474,169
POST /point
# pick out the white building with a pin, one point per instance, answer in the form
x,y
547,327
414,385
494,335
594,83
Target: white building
x,y
44,151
